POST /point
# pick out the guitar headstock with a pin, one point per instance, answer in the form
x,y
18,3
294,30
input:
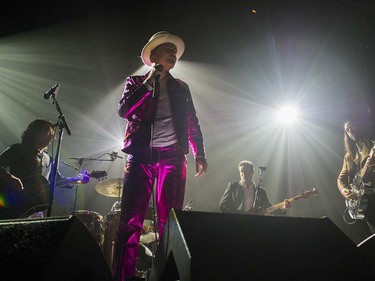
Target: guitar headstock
x,y
307,194
98,174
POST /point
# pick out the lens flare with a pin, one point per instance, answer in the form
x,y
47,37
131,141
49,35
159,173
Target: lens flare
x,y
288,114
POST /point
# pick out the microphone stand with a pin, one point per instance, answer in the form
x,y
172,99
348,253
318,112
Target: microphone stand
x,y
62,124
155,95
256,198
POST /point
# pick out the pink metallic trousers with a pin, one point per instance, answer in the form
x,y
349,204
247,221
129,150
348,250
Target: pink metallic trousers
x,y
166,166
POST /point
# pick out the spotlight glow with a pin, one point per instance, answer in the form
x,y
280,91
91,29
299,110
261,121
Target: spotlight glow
x,y
288,114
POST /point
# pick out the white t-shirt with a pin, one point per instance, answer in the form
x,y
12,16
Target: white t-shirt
x,y
164,133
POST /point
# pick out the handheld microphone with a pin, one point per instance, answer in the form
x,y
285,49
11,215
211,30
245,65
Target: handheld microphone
x,y
158,67
47,95
263,168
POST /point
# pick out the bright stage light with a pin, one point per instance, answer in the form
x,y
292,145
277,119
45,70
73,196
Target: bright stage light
x,y
288,114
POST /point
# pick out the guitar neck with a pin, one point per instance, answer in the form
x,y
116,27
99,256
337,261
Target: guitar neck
x,y
66,181
280,205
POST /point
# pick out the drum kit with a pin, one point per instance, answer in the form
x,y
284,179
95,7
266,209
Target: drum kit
x,y
103,228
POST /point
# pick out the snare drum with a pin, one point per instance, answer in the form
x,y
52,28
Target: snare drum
x,y
94,223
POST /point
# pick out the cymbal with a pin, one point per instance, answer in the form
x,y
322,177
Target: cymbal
x,y
110,187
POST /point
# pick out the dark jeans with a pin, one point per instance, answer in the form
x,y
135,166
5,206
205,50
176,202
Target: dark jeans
x,y
166,166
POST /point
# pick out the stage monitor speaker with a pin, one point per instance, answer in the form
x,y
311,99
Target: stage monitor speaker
x,y
55,248
215,246
367,247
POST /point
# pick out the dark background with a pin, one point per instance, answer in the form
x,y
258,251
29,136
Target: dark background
x,y
240,65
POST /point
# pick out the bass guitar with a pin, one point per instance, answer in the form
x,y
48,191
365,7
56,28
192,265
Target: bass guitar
x,y
35,196
357,205
302,195
278,206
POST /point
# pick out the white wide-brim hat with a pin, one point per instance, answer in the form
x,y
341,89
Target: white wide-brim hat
x,y
159,38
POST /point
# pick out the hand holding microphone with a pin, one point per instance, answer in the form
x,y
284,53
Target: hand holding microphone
x,y
155,73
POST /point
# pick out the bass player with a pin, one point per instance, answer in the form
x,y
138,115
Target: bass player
x,y
245,196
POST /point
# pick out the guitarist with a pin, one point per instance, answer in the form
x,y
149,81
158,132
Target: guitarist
x,y
239,196
22,161
358,144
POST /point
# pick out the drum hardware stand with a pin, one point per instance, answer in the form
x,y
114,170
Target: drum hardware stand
x,y
80,161
73,209
62,124
112,155
117,205
256,198
189,206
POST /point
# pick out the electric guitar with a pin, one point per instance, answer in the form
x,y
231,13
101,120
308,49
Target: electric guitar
x,y
357,206
273,208
35,196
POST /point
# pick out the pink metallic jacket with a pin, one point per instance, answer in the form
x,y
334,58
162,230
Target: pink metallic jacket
x,y
138,105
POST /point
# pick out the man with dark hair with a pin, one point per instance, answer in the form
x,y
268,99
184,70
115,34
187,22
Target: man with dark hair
x,y
357,172
24,172
161,124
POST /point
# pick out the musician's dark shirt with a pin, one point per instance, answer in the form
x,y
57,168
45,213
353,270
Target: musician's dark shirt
x,y
24,161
